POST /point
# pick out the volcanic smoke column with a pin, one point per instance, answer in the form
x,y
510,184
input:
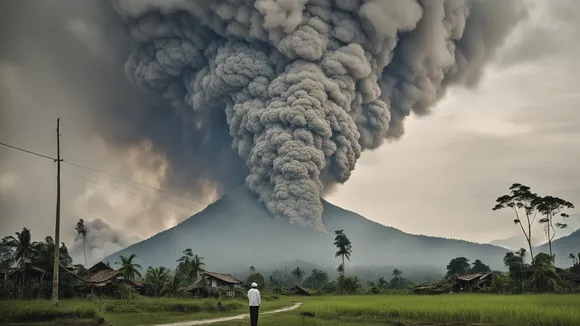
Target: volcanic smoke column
x,y
306,85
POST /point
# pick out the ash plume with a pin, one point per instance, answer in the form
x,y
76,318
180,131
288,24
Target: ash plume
x,y
305,86
100,241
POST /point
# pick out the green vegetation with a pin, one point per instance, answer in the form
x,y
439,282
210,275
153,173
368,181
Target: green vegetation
x,y
162,294
544,310
142,311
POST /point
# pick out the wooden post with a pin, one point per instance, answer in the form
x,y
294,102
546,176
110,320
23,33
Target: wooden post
x,y
55,276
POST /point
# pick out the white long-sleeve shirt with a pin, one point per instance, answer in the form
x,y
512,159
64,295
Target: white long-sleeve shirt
x,y
254,297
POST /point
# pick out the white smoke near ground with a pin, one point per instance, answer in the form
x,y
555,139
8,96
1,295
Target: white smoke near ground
x,y
306,86
100,241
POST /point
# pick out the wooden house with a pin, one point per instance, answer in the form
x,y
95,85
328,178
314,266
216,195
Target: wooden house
x,y
101,278
215,284
473,282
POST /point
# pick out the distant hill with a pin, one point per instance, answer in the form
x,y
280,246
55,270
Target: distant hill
x,y
515,243
563,247
518,241
236,232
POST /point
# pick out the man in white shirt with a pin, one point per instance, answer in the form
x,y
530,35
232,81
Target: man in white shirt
x,y
254,298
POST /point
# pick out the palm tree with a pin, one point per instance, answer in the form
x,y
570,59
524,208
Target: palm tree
x,y
82,232
195,268
23,248
44,256
128,269
298,275
173,286
344,247
157,278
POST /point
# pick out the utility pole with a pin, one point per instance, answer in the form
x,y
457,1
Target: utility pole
x,y
55,276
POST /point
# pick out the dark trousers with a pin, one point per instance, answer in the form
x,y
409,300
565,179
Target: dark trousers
x,y
254,315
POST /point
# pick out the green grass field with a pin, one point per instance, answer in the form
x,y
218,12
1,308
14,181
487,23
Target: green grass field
x,y
464,309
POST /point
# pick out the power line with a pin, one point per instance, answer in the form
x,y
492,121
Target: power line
x,y
27,151
129,180
102,172
128,192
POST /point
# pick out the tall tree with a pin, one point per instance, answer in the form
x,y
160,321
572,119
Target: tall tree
x,y
129,269
82,231
551,207
342,242
252,269
458,267
298,274
524,203
22,247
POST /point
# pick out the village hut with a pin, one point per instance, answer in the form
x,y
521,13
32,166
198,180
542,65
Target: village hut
x,y
298,290
473,282
103,279
215,284
25,273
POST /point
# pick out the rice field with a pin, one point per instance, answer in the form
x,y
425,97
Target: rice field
x,y
456,309
470,309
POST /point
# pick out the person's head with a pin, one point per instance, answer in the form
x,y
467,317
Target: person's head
x,y
254,285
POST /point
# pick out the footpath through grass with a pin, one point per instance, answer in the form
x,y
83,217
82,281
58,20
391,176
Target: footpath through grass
x,y
145,311
464,309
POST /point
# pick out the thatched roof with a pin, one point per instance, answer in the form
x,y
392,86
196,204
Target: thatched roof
x,y
223,277
301,290
25,267
103,276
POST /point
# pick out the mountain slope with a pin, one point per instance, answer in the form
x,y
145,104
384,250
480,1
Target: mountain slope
x,y
563,247
236,232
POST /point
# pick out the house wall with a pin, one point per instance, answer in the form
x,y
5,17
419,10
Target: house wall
x,y
214,283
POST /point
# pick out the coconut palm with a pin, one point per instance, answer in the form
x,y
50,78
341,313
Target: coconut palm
x,y
344,247
157,278
173,286
195,267
83,233
23,248
44,255
298,274
129,270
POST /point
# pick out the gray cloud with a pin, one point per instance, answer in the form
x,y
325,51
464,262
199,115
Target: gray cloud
x,y
100,241
307,85
440,179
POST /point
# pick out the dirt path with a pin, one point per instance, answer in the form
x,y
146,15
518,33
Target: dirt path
x,y
217,320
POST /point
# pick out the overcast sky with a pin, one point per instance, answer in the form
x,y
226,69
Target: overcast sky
x,y
521,125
